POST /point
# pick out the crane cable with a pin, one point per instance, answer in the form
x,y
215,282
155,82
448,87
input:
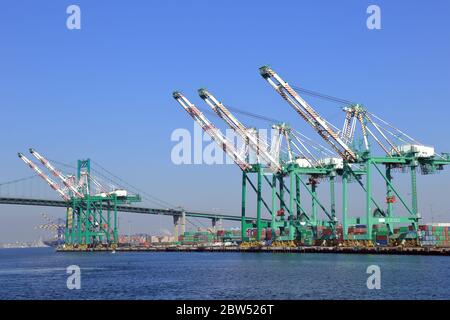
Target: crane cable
x,y
149,197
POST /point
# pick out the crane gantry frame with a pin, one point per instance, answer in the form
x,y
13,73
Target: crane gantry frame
x,y
351,165
394,157
294,169
87,223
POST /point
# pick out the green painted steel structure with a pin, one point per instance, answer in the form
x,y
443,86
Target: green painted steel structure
x,y
373,166
289,226
92,219
369,165
288,183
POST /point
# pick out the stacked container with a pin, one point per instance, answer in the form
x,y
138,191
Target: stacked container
x,y
233,235
252,233
380,233
203,237
432,235
405,233
340,233
188,237
359,229
324,233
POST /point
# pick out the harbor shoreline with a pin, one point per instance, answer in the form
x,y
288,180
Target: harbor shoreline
x,y
330,250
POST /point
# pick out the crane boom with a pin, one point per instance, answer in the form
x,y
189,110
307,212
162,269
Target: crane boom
x,y
308,114
50,182
56,173
213,132
239,128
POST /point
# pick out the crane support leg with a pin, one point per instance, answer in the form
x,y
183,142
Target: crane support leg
x,y
298,196
68,219
389,191
414,201
292,195
243,205
314,203
281,192
116,232
259,204
345,203
274,198
333,204
109,229
369,216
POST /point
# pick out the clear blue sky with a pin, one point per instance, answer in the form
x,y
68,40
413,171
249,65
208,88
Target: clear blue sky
x,y
104,91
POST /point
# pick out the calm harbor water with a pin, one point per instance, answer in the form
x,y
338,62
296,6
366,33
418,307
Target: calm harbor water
x,y
41,274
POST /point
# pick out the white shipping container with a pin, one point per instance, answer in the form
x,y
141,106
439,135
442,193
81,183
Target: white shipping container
x,y
338,163
418,150
102,194
303,163
120,192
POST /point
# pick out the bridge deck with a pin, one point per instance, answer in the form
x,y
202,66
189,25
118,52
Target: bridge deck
x,y
131,209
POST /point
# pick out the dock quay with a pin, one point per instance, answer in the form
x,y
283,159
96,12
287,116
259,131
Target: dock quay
x,y
432,251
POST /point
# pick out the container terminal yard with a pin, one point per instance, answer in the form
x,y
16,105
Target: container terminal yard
x,y
283,178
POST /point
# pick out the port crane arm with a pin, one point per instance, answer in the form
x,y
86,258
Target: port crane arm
x,y
214,132
56,173
357,113
50,182
239,128
308,114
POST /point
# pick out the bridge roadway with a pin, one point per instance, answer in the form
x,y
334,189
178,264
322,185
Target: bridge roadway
x,y
131,209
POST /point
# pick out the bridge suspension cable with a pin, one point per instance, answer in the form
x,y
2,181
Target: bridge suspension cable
x,y
146,196
18,180
121,183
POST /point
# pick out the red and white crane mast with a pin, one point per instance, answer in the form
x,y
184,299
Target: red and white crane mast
x,y
56,173
213,132
308,114
240,129
50,182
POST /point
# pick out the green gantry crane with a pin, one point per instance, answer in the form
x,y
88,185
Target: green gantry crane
x,y
272,170
91,218
411,155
